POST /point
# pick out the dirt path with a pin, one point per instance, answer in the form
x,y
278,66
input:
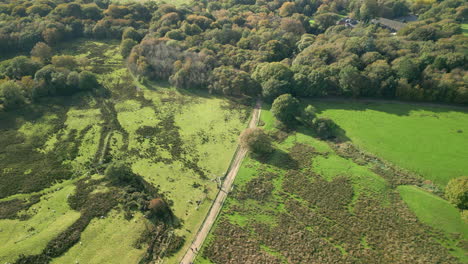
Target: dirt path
x,y
197,242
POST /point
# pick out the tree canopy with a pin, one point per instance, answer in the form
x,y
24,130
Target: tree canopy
x,y
256,140
285,108
248,48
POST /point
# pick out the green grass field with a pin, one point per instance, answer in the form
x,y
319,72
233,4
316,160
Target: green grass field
x,y
430,141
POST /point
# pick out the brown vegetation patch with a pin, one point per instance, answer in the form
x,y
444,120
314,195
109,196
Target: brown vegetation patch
x,y
259,188
394,175
303,154
10,209
234,245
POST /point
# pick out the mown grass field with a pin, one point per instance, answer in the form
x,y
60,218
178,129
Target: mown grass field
x,y
430,141
178,141
274,216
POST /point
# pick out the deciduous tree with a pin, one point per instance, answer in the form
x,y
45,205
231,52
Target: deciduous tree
x,y
256,140
285,108
10,95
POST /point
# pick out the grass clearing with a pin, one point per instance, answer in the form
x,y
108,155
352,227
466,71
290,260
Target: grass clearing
x,y
202,129
50,217
430,141
364,181
108,240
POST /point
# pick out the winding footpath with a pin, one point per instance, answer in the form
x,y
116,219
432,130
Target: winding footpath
x,y
215,209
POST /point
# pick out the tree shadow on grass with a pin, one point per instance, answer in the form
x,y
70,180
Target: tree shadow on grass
x,y
395,107
339,137
279,159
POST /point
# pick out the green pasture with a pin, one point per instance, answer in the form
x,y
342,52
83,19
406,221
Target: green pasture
x,y
430,141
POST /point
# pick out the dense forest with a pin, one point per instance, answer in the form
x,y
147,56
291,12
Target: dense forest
x,y
243,47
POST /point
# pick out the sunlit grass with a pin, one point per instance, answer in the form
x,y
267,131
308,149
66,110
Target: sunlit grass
x,y
108,240
51,216
431,141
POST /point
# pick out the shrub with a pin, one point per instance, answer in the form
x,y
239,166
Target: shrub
x,y
256,141
457,192
308,115
121,174
11,96
464,216
65,61
126,47
42,51
158,208
325,128
87,81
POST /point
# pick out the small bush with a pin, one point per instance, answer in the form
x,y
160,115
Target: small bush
x,y
457,192
256,140
325,128
121,174
308,115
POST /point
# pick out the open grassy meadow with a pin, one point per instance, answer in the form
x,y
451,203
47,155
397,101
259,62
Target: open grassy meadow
x,y
179,142
314,201
429,141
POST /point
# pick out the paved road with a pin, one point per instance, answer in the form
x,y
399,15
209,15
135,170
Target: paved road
x,y
222,194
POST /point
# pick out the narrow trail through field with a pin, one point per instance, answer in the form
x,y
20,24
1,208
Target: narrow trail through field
x,y
215,209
